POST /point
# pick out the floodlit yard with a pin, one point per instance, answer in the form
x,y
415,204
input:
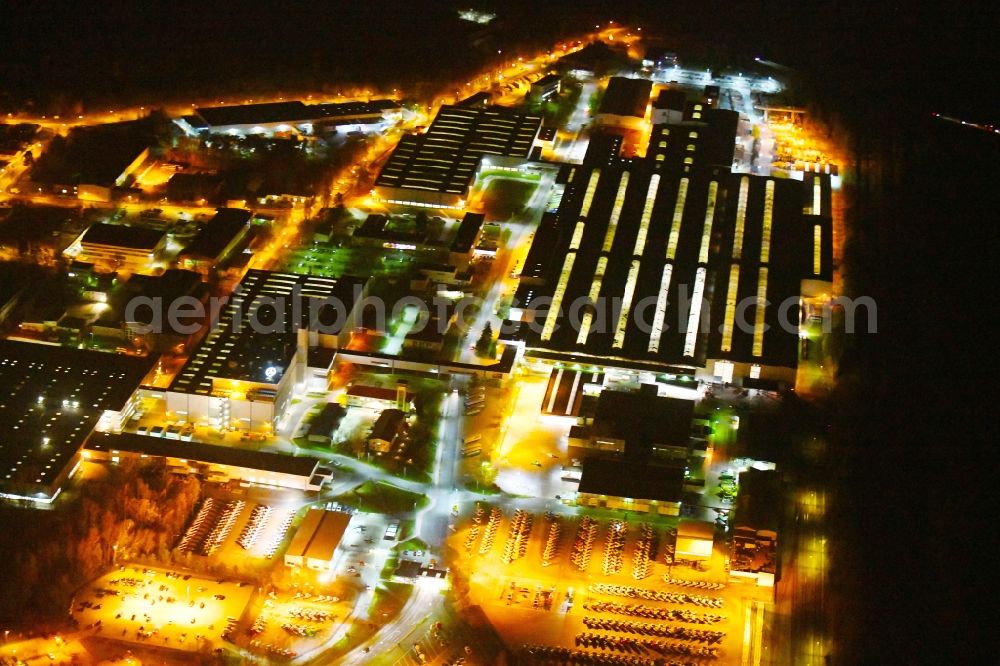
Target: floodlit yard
x,y
529,601
528,458
159,607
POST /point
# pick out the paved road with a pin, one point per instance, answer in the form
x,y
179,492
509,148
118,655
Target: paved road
x,y
520,228
414,615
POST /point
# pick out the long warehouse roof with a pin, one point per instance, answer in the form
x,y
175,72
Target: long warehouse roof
x,y
444,159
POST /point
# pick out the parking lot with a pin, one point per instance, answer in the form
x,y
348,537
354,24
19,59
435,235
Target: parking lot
x,y
160,607
292,624
585,582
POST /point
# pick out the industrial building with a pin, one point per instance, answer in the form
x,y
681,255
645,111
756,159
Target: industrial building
x,y
704,138
668,107
216,241
377,397
140,311
97,163
756,522
325,424
116,247
437,168
675,264
212,463
51,399
388,430
470,229
315,542
627,486
624,103
282,117
695,540
242,374
640,425
567,388
545,87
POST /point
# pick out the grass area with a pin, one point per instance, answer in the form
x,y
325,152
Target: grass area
x,y
631,517
506,197
379,497
411,544
387,600
390,565
527,176
328,261
479,489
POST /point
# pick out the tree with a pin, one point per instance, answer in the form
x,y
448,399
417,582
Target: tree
x,y
421,222
484,346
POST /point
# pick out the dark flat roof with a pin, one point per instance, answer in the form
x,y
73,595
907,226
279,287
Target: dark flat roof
x,y
444,159
388,424
616,478
670,98
251,114
642,419
120,235
790,257
759,500
328,419
468,229
481,98
221,230
205,453
94,154
234,350
56,393
288,112
626,97
547,80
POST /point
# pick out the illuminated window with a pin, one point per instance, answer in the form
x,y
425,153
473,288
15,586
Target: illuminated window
x,y
730,317
690,147
557,296
661,310
675,226
574,243
665,132
662,144
616,212
633,275
595,291
694,316
817,249
659,158
765,241
817,195
741,216
697,107
688,160
588,196
758,326
647,213
696,115
754,371
692,135
706,232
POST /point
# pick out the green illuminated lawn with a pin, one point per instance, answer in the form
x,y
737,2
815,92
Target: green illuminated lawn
x,y
379,497
388,599
333,262
506,197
